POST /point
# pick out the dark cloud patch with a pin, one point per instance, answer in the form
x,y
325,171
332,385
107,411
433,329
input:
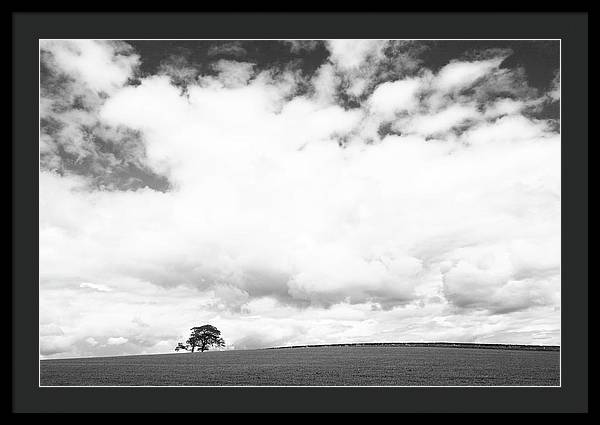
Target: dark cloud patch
x,y
179,69
539,59
387,128
199,54
348,101
228,49
52,84
106,163
549,111
402,58
74,141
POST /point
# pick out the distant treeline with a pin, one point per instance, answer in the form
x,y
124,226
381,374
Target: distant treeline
x,y
435,345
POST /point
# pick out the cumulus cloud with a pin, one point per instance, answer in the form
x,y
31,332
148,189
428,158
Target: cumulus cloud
x,y
350,54
396,96
95,286
116,340
360,65
291,217
440,121
459,75
233,73
101,66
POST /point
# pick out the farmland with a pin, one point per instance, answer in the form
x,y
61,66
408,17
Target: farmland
x,y
379,365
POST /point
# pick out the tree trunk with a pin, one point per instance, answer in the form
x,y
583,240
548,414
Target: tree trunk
x,y
193,347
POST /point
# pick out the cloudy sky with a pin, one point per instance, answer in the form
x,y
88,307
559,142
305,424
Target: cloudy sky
x,y
298,192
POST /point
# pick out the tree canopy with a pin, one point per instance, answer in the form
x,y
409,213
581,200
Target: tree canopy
x,y
202,338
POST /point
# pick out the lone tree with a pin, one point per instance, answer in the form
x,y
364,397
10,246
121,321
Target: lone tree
x,y
202,338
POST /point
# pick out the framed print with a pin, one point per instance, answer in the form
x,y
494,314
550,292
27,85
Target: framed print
x,y
283,217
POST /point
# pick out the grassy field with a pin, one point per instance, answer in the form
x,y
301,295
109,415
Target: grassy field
x,y
378,365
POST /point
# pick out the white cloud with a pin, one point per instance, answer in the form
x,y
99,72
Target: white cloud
x,y
102,66
460,75
440,122
95,286
351,54
504,107
516,128
233,73
325,83
554,93
116,340
504,278
392,97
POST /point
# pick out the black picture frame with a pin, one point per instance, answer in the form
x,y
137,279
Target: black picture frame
x,y
570,28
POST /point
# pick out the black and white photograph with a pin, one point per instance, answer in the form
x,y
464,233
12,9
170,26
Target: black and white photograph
x,y
328,212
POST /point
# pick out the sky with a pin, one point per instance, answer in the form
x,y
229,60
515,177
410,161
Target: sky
x,y
296,192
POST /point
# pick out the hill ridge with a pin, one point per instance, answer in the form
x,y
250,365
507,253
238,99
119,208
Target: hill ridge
x,y
432,344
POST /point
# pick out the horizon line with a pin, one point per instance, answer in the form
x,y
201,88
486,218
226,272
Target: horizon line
x,y
444,344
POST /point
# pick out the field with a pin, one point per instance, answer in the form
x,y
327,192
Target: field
x,y
349,365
